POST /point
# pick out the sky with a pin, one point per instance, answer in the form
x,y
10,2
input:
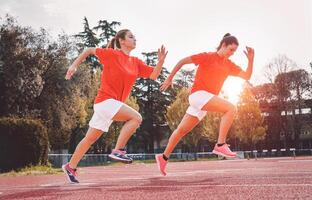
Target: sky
x,y
187,27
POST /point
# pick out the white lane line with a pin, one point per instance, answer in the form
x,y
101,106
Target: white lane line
x,y
85,185
53,184
196,186
67,185
202,185
92,182
294,161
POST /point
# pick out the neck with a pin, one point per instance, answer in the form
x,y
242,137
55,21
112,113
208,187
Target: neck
x,y
222,54
125,50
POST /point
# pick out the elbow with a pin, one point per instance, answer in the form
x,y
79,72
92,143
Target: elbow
x,y
247,78
89,51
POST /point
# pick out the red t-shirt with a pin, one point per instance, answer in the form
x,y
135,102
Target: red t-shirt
x,y
119,74
212,72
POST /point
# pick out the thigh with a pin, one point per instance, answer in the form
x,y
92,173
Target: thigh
x,y
217,104
126,113
188,123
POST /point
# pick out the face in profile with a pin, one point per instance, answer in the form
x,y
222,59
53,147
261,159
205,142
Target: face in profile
x,y
129,41
230,49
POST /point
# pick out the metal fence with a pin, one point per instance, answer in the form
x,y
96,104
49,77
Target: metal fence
x,y
102,159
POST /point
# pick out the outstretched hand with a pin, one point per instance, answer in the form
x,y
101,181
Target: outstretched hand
x,y
250,53
162,53
70,72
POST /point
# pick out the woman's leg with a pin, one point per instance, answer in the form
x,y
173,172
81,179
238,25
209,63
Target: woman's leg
x,y
186,125
217,104
133,120
83,146
125,113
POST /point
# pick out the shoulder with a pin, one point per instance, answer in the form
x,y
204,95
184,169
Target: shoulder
x,y
205,54
136,59
229,61
106,51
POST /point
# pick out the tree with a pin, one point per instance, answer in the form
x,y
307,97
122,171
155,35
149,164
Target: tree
x,y
249,121
211,124
153,105
66,105
108,30
23,64
88,38
185,78
278,65
275,73
175,113
298,87
33,85
265,93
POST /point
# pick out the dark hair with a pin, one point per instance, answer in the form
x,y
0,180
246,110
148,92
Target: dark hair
x,y
228,39
115,41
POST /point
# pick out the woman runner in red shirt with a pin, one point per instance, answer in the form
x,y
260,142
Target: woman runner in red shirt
x,y
119,74
213,69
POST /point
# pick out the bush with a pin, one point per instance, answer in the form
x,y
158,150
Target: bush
x,y
23,142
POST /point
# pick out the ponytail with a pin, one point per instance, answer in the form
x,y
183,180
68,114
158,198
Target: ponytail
x,y
114,43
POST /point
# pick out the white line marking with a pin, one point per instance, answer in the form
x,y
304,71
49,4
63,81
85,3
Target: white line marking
x,y
82,185
206,185
294,161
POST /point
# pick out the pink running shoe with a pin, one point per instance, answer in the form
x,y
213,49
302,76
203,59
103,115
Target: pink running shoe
x,y
224,150
161,163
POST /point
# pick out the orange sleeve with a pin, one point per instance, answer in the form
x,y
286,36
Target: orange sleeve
x,y
102,53
145,71
199,58
234,69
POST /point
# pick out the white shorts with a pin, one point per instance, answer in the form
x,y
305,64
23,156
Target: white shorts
x,y
104,113
197,101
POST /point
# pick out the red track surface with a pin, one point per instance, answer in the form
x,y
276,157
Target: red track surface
x,y
279,178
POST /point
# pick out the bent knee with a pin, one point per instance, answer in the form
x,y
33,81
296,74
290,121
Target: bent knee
x,y
138,119
231,108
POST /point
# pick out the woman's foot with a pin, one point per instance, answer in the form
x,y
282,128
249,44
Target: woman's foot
x,y
70,173
161,163
223,150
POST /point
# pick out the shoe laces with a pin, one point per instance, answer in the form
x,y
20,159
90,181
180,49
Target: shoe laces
x,y
73,171
121,152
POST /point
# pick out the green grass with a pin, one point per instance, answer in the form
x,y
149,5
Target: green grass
x,y
33,170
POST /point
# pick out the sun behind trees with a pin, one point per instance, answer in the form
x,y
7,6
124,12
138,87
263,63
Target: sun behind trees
x,y
249,122
248,126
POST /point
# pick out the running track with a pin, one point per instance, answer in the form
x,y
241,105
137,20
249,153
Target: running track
x,y
278,178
